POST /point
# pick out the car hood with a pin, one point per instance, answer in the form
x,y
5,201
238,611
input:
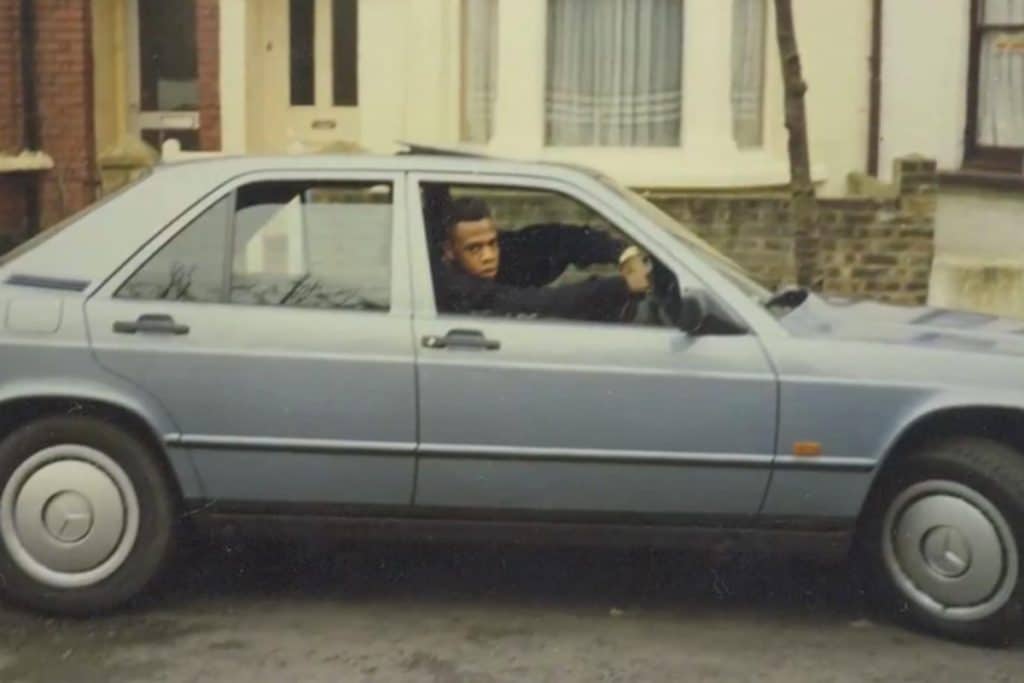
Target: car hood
x,y
919,326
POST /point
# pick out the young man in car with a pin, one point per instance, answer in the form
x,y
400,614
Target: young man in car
x,y
487,271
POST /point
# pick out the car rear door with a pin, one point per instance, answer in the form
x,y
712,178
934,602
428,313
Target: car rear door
x,y
272,323
571,419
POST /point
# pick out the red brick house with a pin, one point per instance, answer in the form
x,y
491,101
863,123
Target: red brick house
x,y
50,91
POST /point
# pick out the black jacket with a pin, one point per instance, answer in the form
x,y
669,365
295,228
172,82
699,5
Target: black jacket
x,y
531,258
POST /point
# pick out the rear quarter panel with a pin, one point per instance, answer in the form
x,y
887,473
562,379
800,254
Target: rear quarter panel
x,y
48,356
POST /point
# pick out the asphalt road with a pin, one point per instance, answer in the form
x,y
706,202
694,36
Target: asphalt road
x,y
449,614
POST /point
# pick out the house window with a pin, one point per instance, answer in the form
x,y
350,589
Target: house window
x,y
168,72
614,72
301,50
304,52
479,69
345,24
748,46
996,101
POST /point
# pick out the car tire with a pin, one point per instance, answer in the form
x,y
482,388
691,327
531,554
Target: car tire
x,y
942,539
86,516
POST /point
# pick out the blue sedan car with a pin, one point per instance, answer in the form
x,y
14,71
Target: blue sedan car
x,y
237,341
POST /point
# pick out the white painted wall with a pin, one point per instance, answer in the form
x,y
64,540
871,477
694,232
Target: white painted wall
x,y
835,44
924,81
409,74
979,252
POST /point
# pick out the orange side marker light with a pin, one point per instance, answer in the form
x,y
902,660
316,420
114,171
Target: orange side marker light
x,y
806,448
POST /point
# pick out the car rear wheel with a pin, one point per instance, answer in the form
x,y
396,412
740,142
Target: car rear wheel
x,y
944,535
86,515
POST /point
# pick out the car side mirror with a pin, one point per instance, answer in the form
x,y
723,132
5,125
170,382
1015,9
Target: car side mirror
x,y
691,311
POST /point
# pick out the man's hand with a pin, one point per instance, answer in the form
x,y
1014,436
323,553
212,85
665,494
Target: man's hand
x,y
636,270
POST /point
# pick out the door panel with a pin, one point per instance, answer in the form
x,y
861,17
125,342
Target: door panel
x,y
594,418
278,403
574,418
263,395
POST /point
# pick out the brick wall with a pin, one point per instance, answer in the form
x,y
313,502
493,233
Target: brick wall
x,y
64,87
63,80
208,48
877,243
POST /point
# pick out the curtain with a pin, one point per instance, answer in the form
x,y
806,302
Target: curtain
x,y
480,69
1003,12
748,45
1001,77
614,72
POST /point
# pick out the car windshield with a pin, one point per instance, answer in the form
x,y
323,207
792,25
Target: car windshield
x,y
711,256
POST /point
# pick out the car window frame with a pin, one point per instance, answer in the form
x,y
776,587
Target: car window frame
x,y
627,220
400,285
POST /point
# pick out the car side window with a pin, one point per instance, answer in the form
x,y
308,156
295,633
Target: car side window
x,y
314,246
301,244
545,240
191,266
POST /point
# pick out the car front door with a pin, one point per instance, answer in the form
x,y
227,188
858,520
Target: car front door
x,y
272,323
531,416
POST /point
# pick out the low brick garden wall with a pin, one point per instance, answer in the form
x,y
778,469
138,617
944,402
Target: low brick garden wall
x,y
877,243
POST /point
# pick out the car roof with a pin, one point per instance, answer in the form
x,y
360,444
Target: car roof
x,y
229,166
416,158
68,257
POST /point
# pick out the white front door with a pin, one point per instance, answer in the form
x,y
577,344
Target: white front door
x,y
308,77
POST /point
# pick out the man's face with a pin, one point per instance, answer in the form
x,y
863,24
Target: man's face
x,y
473,247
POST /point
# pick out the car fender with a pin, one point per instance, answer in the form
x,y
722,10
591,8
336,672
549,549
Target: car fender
x,y
125,397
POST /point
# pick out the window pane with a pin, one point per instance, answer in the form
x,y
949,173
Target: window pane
x,y
748,38
346,36
301,33
191,266
614,72
313,245
1001,89
168,67
1002,12
479,68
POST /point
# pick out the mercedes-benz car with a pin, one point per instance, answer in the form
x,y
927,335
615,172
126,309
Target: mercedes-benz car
x,y
239,341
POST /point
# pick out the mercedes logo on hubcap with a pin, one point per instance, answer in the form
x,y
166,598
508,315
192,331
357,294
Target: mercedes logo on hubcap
x,y
68,516
947,551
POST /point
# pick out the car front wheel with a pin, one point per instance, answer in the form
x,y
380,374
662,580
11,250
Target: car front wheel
x,y
86,515
944,536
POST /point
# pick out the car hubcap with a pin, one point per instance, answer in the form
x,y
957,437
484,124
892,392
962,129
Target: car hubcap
x,y
70,516
950,550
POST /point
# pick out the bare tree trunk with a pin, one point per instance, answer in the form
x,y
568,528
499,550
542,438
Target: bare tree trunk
x,y
801,186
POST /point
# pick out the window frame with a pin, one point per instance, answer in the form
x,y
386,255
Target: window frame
x,y
977,156
661,247
400,285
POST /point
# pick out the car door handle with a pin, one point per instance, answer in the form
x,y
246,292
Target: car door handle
x,y
150,323
461,339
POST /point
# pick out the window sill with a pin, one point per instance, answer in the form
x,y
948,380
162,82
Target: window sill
x,y
986,180
25,162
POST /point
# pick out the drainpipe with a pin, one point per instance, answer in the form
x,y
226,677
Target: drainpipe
x,y
30,109
875,96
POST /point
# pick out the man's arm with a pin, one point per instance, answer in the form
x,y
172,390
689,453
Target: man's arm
x,y
539,254
594,299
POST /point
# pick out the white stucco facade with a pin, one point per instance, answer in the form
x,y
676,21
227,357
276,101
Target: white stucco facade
x,y
409,66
